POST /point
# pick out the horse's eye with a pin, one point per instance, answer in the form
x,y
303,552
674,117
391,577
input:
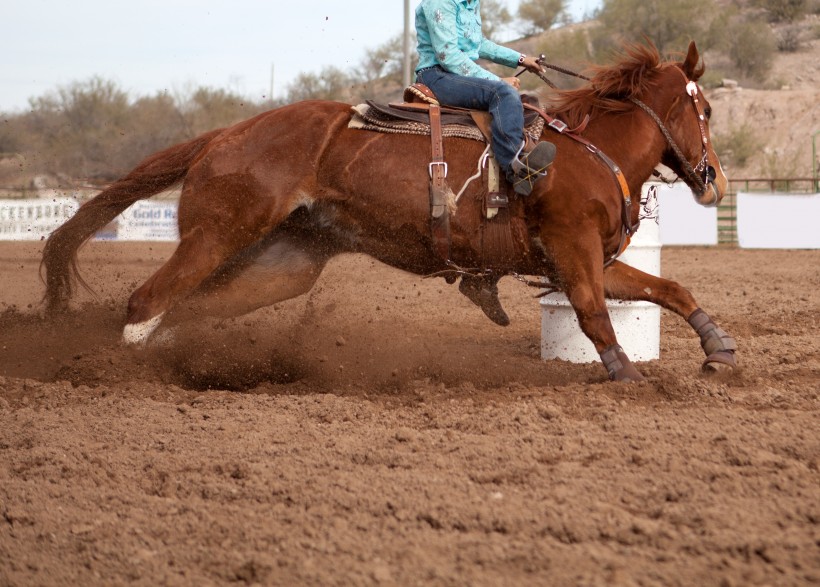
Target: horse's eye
x,y
708,112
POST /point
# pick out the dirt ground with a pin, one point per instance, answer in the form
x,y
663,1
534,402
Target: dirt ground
x,y
381,431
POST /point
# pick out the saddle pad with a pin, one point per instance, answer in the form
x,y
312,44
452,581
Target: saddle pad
x,y
365,117
369,117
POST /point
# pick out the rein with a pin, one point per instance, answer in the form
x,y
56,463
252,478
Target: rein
x,y
691,173
627,229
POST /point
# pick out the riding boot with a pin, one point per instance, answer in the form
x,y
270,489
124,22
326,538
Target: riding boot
x,y
483,292
530,166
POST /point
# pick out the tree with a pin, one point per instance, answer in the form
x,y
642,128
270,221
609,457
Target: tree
x,y
330,84
382,61
669,24
78,127
494,18
538,16
204,109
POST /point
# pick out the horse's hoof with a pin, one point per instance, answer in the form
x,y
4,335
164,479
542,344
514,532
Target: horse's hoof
x,y
720,363
137,334
631,375
619,367
485,297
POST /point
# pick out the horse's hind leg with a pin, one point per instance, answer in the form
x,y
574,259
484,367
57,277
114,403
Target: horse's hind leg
x,y
627,283
264,274
194,259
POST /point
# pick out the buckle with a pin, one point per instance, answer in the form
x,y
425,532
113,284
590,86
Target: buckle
x,y
442,163
558,125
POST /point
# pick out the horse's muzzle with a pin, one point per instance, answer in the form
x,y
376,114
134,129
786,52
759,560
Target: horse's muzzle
x,y
713,193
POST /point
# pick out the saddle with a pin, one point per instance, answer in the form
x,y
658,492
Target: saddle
x,y
421,113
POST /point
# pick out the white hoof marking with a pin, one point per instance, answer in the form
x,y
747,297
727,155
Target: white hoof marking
x,y
137,334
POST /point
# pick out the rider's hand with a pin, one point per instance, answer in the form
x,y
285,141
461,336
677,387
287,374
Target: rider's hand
x,y
513,81
531,63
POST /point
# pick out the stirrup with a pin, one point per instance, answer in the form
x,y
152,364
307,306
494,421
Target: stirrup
x,y
528,168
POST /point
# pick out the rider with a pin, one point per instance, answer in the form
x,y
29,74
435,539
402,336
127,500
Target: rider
x,y
449,41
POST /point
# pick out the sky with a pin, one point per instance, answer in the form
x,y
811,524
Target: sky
x,y
172,46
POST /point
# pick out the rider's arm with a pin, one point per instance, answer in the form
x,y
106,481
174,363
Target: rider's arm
x,y
495,52
443,28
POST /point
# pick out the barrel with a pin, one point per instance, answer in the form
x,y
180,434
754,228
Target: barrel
x,y
637,324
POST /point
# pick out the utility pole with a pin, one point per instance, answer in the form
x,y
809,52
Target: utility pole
x,y
272,71
406,69
814,163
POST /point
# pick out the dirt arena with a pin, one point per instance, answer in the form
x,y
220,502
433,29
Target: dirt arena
x,y
381,431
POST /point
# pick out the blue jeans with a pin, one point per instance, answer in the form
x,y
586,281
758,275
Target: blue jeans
x,y
498,97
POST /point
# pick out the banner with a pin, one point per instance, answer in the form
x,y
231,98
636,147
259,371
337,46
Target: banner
x,y
33,219
148,221
682,220
778,221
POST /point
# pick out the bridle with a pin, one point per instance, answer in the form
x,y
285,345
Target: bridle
x,y
702,174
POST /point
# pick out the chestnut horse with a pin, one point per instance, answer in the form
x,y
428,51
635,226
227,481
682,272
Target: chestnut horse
x,y
267,202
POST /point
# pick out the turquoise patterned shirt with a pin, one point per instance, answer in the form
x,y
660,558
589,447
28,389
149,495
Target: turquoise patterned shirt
x,y
449,34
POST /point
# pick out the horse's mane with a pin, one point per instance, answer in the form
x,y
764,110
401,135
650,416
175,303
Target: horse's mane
x,y
610,86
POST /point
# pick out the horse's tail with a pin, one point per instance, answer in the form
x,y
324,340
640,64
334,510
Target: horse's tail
x,y
153,175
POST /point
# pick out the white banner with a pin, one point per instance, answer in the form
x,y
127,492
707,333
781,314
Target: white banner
x,y
149,221
778,221
682,220
33,219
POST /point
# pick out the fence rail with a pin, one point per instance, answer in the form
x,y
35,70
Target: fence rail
x,y
727,211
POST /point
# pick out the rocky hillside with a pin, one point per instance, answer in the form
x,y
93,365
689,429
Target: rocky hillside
x,y
760,133
775,126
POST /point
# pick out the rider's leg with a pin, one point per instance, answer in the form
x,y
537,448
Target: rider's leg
x,y
504,103
495,96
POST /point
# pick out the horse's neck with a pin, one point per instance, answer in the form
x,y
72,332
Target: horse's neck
x,y
632,141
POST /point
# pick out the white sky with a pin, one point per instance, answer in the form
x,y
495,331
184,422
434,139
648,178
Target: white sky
x,y
150,46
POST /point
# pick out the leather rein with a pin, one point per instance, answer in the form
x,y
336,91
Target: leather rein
x,y
692,173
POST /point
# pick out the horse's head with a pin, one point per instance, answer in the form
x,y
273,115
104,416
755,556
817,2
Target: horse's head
x,y
669,94
690,152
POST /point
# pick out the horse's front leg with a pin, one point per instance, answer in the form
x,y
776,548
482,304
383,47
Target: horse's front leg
x,y
579,264
627,283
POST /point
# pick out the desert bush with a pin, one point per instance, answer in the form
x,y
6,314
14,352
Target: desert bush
x,y
777,164
669,24
784,10
738,146
789,38
752,48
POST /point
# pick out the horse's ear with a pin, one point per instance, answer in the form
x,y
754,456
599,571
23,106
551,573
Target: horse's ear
x,y
690,64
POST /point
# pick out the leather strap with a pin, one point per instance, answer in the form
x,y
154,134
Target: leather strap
x,y
439,212
483,120
627,229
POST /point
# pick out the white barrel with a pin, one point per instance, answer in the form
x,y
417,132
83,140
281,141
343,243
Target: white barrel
x,y
637,324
